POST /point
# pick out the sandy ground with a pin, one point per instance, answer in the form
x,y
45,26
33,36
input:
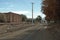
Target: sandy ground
x,y
32,33
38,32
21,32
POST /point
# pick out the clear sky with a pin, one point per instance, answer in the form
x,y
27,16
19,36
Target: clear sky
x,y
22,7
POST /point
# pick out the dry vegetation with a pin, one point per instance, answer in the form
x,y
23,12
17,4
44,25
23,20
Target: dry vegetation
x,y
52,10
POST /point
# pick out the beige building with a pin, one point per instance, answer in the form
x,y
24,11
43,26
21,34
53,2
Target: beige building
x,y
12,17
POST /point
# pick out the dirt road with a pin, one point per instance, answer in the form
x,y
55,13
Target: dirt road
x,y
32,33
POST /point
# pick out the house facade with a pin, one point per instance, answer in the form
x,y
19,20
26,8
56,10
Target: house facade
x,y
12,17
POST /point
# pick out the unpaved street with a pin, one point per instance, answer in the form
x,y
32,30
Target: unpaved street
x,y
32,33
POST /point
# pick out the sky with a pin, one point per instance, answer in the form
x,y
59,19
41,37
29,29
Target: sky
x,y
22,7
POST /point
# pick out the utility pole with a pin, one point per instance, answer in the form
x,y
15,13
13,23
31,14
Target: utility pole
x,y
32,12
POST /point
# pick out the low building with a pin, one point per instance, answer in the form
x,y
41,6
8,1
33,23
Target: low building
x,y
12,17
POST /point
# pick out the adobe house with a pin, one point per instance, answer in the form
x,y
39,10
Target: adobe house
x,y
12,17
